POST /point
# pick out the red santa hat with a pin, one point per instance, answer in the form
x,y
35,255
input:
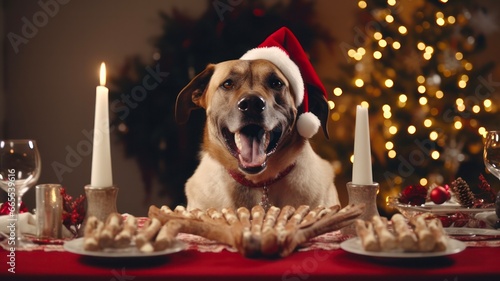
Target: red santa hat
x,y
284,50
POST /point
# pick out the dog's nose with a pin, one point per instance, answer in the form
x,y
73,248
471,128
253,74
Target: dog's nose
x,y
252,104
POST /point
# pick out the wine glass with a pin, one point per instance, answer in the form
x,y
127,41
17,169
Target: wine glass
x,y
492,152
20,167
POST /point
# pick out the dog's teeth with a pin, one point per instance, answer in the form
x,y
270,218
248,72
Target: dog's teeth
x,y
237,140
266,138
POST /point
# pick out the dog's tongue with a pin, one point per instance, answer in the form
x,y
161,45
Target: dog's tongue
x,y
252,148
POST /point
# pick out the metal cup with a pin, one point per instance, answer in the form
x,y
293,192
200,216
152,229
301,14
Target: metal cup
x,y
49,206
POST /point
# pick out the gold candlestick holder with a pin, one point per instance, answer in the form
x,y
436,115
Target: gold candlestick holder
x,y
101,201
362,193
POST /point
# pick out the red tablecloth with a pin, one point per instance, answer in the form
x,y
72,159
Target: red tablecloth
x,y
471,264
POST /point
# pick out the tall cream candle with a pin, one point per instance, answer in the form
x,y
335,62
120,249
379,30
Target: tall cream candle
x,y
362,165
101,153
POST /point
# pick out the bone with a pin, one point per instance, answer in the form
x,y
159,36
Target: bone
x,y
93,227
407,239
148,232
269,242
312,216
386,238
330,222
166,235
124,237
113,225
426,241
365,232
436,228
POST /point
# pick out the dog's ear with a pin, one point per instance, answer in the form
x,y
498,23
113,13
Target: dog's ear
x,y
189,98
318,105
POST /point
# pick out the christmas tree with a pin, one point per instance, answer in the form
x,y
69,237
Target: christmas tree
x,y
411,63
144,94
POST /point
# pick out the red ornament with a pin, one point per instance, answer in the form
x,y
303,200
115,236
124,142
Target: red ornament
x,y
413,195
439,195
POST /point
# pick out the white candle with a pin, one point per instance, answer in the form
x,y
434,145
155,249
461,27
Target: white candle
x,y
101,153
362,165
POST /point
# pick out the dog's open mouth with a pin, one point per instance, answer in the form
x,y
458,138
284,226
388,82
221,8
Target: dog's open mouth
x,y
251,145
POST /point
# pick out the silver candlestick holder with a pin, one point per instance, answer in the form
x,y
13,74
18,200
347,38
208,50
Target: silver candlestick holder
x,y
362,193
101,201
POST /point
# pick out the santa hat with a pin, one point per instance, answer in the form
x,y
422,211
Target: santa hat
x,y
284,50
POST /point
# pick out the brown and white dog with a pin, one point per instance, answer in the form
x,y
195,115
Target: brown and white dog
x,y
251,140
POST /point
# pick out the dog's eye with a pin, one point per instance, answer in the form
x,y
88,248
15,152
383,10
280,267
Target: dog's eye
x,y
228,84
276,84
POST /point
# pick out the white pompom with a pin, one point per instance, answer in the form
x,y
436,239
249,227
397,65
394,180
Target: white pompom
x,y
308,124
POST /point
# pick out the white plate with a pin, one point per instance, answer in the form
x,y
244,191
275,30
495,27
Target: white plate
x,y
76,246
443,209
353,245
471,231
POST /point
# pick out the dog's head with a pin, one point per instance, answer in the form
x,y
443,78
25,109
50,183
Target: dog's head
x,y
251,113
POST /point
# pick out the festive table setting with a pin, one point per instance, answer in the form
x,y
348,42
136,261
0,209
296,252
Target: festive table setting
x,y
86,238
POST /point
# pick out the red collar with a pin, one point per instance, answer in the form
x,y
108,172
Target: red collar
x,y
240,178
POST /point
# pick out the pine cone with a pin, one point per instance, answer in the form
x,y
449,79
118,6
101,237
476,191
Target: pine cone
x,y
464,194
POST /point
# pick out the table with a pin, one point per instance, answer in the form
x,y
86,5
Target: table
x,y
481,263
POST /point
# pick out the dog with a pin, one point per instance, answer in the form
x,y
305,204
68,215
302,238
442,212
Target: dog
x,y
251,151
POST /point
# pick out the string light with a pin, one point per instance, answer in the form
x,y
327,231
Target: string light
x,y
439,94
393,130
435,155
422,100
402,29
412,129
335,116
389,18
423,181
337,92
377,55
391,154
365,104
482,131
389,83
396,45
359,82
389,145
377,35
362,4
331,104
433,135
427,123
421,89
391,2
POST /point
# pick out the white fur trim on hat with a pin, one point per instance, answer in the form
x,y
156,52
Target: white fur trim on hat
x,y
308,124
280,58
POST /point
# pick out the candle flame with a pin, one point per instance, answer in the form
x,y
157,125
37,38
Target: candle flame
x,y
102,74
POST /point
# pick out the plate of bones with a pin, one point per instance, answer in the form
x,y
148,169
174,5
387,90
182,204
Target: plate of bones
x,y
122,238
420,239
